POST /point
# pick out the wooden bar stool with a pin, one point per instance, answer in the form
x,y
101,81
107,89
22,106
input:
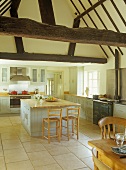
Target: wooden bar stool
x,y
54,116
73,115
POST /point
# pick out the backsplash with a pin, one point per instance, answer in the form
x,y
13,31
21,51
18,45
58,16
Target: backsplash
x,y
21,87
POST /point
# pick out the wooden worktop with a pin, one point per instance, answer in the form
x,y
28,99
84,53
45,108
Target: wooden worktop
x,y
33,103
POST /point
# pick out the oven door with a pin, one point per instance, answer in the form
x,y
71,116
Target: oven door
x,y
14,102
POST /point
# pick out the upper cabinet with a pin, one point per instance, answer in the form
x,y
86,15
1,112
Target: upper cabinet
x,y
5,72
38,75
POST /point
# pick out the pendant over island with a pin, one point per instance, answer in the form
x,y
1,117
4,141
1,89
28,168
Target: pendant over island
x,y
33,111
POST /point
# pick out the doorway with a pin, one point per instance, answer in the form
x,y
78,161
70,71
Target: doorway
x,y
55,84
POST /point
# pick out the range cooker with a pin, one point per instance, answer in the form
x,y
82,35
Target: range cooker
x,y
15,100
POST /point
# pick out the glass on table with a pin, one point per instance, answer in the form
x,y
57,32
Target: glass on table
x,y
119,137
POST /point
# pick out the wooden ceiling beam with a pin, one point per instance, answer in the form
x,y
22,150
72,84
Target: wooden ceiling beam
x,y
118,11
93,22
18,40
89,9
51,57
72,46
13,13
32,29
86,24
15,4
46,11
112,21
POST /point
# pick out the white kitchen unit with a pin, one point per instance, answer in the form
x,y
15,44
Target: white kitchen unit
x,y
38,75
5,75
32,113
119,110
88,108
4,104
86,105
15,110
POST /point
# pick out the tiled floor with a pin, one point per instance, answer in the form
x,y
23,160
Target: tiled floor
x,y
19,151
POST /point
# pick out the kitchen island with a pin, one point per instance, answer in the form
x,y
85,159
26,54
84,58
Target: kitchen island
x,y
33,111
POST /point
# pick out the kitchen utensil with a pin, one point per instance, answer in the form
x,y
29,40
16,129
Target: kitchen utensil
x,y
14,92
24,92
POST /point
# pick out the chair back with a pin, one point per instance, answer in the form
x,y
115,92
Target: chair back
x,y
111,125
98,164
75,112
52,113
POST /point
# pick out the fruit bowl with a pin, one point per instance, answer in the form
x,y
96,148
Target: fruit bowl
x,y
51,99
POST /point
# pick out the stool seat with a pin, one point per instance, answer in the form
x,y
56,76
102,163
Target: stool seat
x,y
54,116
51,119
73,116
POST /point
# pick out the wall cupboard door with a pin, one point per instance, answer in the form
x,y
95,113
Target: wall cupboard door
x,y
42,75
5,75
38,75
34,75
4,104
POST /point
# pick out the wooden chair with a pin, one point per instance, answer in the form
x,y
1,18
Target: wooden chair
x,y
54,116
98,165
73,115
111,125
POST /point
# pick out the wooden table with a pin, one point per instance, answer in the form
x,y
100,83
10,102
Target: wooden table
x,y
106,155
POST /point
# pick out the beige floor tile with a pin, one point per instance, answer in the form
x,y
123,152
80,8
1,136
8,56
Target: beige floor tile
x,y
9,136
80,151
15,155
2,164
85,143
58,150
23,165
1,150
71,142
89,162
85,168
33,146
49,167
6,129
69,161
11,144
41,158
17,147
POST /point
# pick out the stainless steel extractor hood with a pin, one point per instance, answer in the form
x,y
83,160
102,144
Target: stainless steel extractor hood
x,y
18,74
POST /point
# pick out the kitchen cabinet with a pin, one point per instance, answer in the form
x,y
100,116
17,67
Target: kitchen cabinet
x,y
86,105
88,108
38,75
5,74
101,109
119,110
25,116
4,104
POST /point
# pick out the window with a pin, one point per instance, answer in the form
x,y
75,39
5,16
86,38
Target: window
x,y
91,82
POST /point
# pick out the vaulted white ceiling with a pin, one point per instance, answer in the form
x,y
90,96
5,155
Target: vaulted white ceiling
x,y
65,11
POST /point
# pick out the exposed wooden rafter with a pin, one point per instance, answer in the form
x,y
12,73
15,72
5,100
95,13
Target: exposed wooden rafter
x,y
86,25
72,46
51,57
112,21
32,29
93,22
13,13
46,11
118,11
15,4
5,6
90,9
78,12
